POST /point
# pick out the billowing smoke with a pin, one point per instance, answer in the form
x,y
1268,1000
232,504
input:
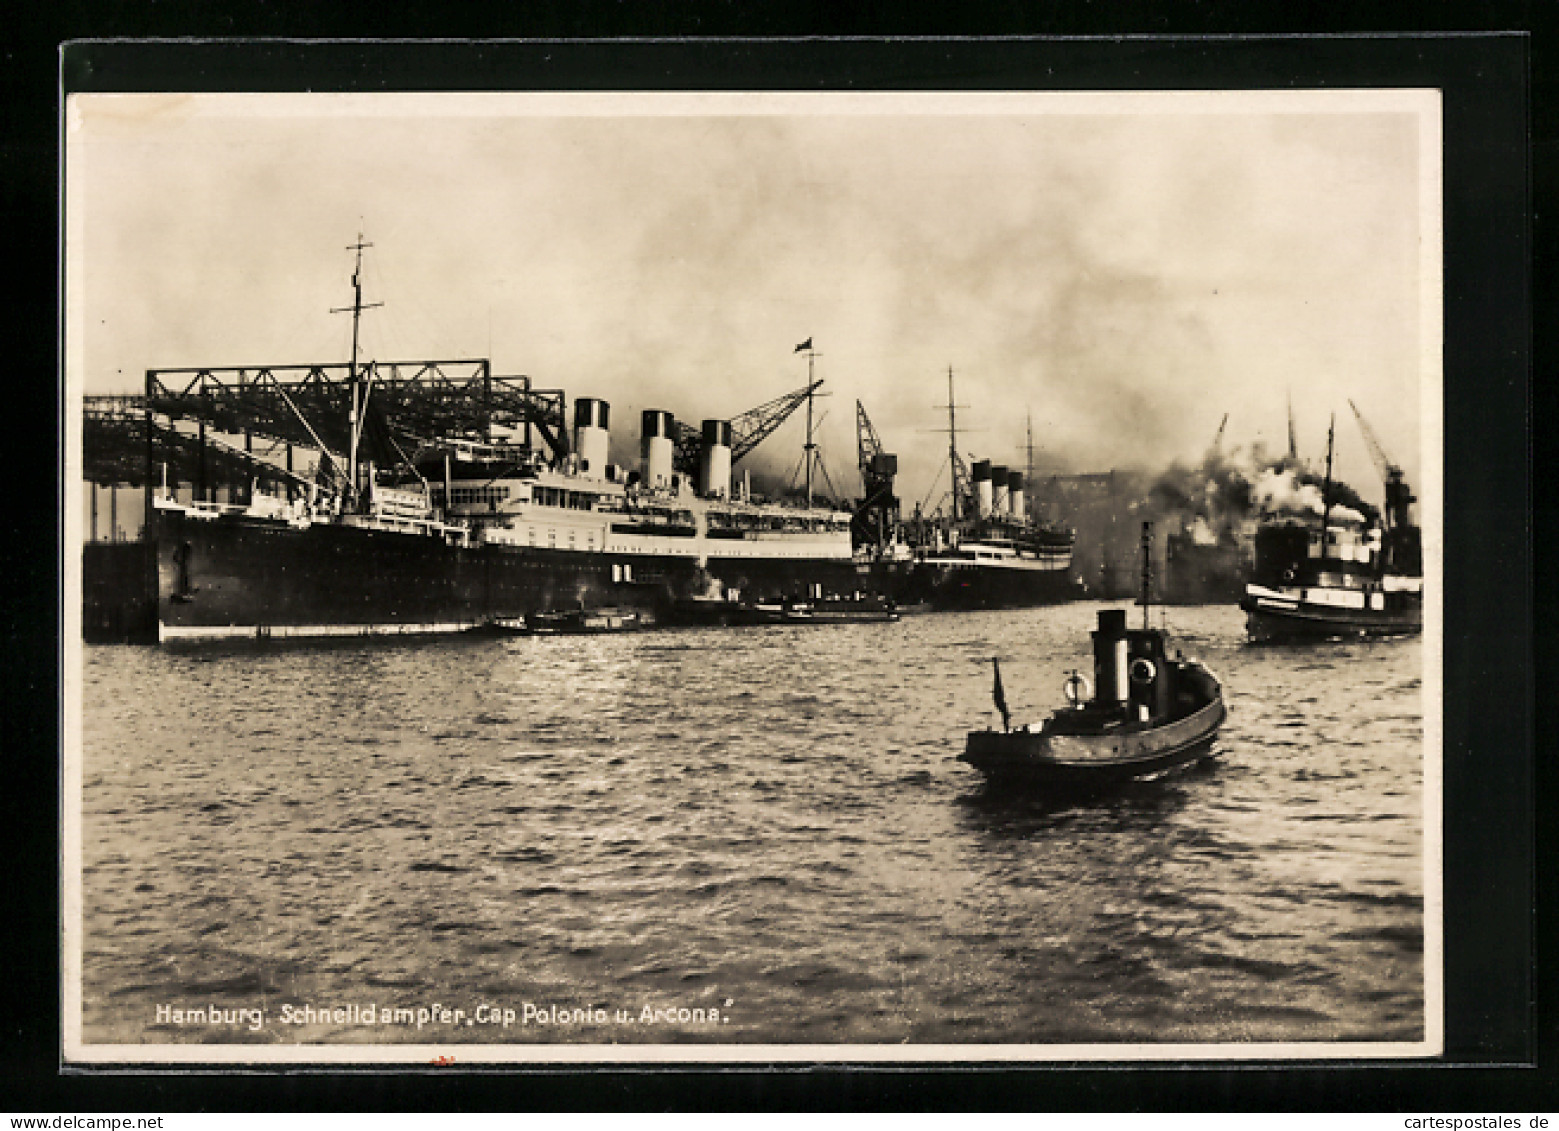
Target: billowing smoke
x,y
1280,492
1212,498
1217,497
1283,490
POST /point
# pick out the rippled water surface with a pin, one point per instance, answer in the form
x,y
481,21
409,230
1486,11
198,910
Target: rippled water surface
x,y
765,825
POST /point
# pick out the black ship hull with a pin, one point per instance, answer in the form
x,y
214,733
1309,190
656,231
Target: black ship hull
x,y
235,576
1269,624
1008,764
986,587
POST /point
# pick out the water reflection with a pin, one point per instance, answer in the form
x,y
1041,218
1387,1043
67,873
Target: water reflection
x,y
1009,810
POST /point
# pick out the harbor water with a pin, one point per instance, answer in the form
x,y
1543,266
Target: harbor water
x,y
738,835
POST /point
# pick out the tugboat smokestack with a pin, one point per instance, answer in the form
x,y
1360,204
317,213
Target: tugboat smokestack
x,y
1109,658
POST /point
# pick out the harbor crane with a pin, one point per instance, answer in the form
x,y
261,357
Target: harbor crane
x,y
1215,449
748,430
1398,495
875,520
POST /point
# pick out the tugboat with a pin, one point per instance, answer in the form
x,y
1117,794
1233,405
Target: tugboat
x,y
1342,576
1153,712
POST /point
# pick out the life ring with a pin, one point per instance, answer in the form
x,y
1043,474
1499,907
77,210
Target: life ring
x,y
1077,689
1143,671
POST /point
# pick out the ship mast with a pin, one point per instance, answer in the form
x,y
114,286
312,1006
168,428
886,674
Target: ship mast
x,y
1147,573
811,447
1326,490
358,306
952,442
1028,468
809,452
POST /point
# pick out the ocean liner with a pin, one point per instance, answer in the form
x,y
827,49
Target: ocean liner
x,y
1337,573
988,552
423,503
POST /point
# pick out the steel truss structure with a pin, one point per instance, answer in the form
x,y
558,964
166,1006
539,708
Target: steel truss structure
x,y
410,407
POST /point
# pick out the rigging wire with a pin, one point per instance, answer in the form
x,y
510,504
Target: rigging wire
x,y
941,466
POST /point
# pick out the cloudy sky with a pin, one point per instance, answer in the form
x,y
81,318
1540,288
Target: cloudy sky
x,y
1126,269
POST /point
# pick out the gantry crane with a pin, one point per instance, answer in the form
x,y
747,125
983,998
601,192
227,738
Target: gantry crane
x,y
402,407
748,430
877,516
1398,495
1215,449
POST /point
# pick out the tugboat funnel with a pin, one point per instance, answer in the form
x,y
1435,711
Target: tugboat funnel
x,y
1109,658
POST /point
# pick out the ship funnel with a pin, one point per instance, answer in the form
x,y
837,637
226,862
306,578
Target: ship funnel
x,y
657,447
1015,498
998,490
981,473
714,469
592,419
1110,671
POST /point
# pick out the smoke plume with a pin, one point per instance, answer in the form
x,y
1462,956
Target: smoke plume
x,y
1213,498
1225,490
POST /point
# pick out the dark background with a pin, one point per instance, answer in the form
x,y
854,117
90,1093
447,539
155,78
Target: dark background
x,y
1500,1046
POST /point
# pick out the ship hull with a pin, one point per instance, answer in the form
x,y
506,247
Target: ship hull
x,y
1275,620
235,576
1079,764
986,587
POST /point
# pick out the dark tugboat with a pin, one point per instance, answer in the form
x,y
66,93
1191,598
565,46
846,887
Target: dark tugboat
x,y
1152,712
1339,576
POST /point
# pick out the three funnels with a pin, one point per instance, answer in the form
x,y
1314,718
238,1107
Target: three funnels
x,y
998,491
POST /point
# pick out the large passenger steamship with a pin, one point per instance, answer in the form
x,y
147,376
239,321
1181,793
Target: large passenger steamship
x,y
477,524
492,531
990,552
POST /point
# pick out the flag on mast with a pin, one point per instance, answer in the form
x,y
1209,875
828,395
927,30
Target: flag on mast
x,y
806,345
1000,696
